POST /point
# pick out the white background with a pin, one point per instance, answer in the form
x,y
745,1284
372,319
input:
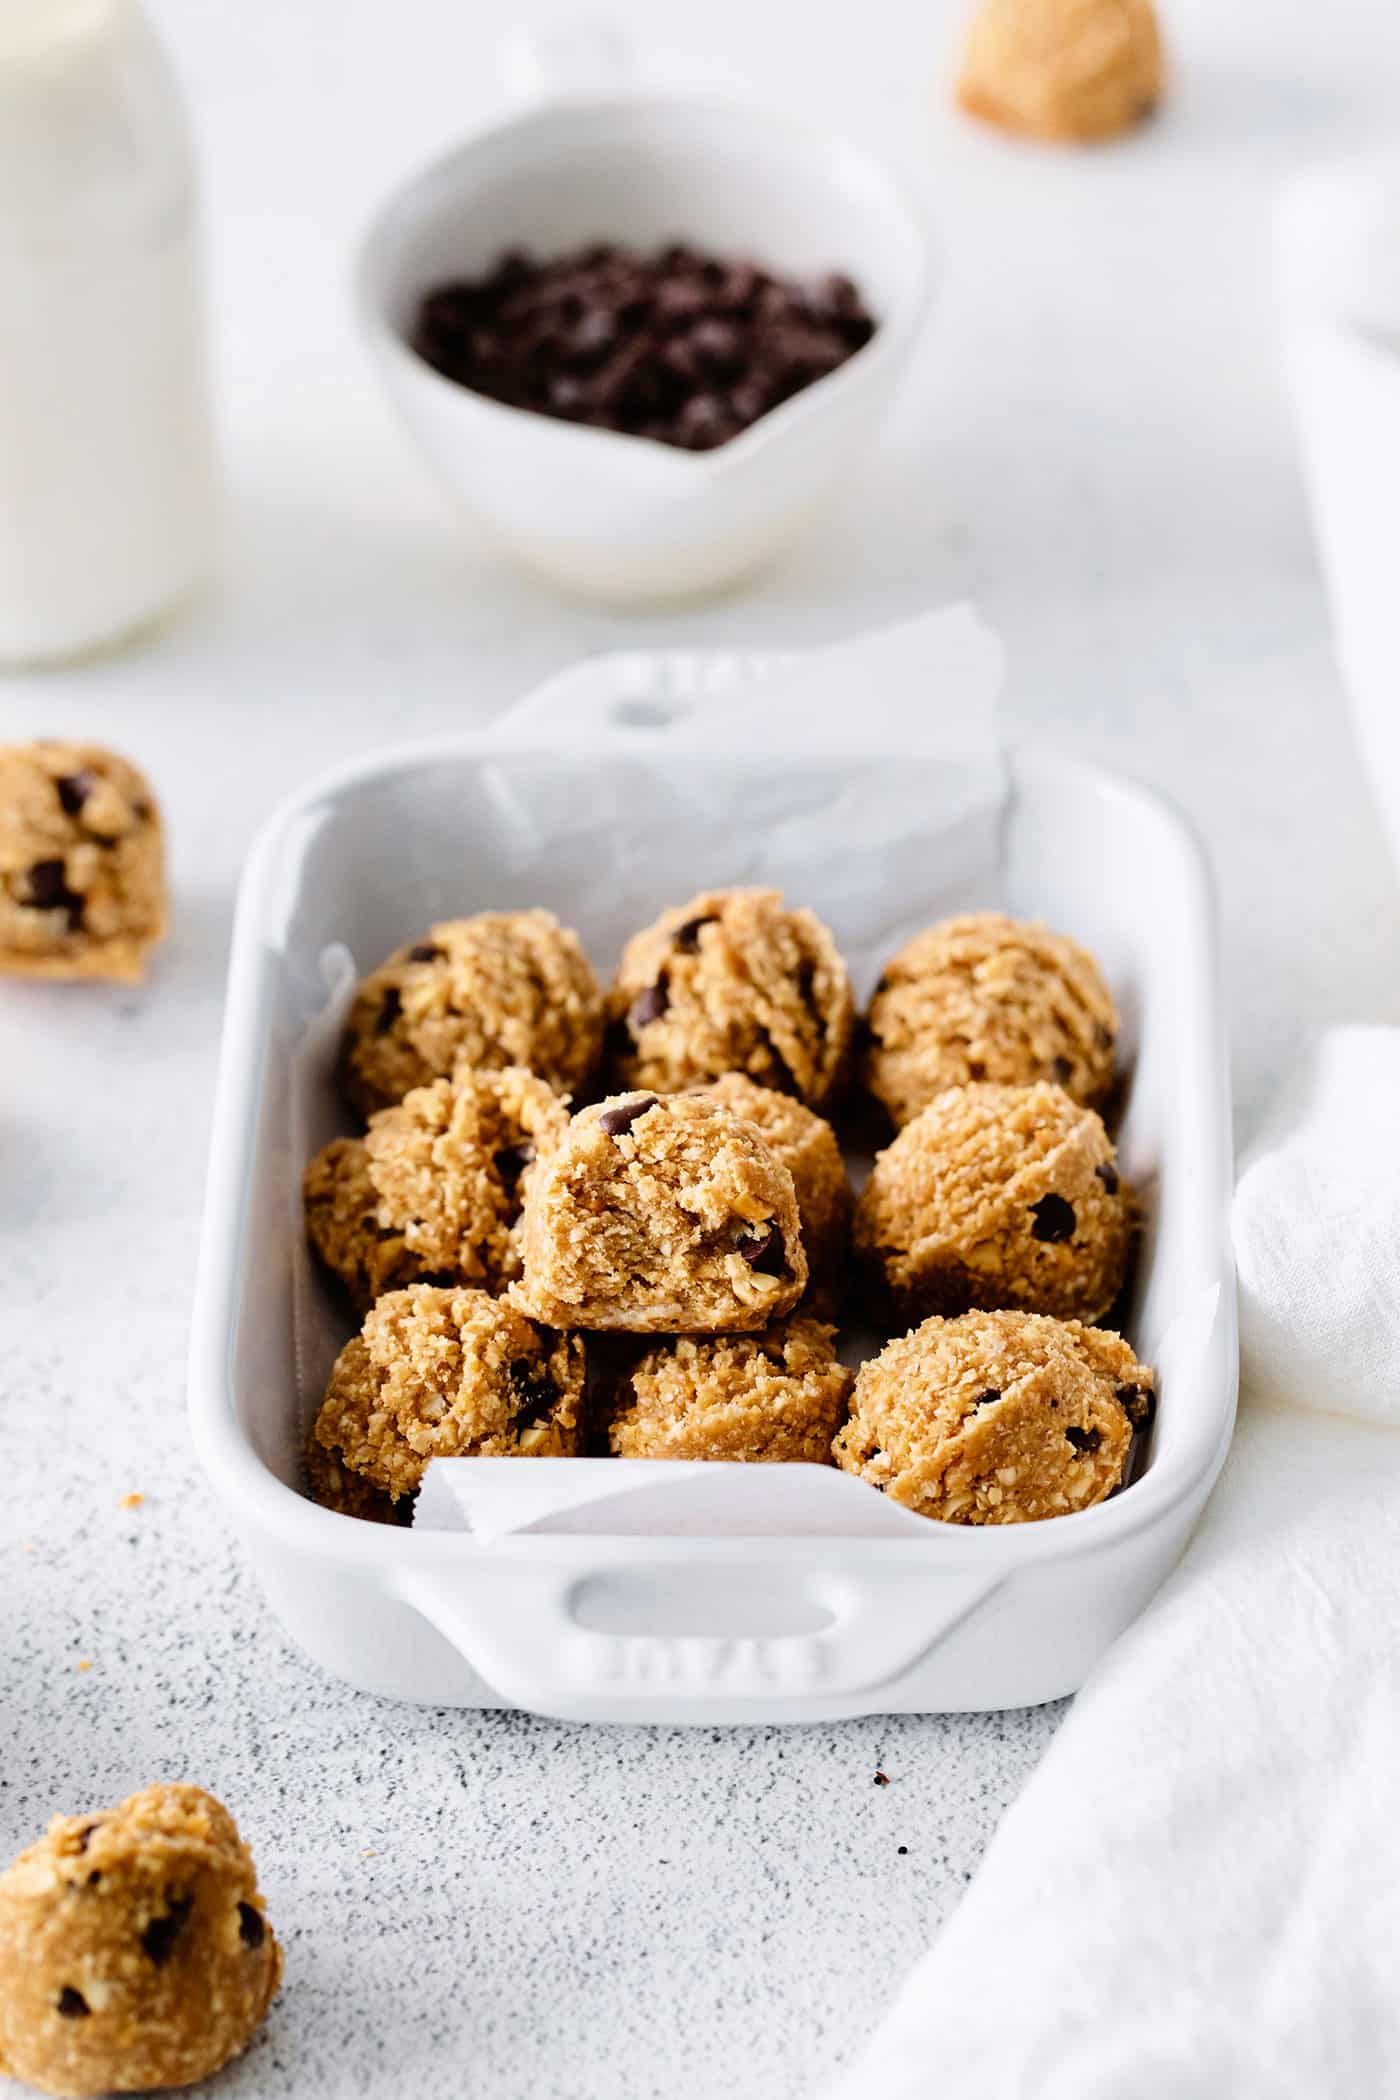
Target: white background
x,y
1095,448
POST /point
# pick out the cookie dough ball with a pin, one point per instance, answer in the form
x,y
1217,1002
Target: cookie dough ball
x,y
334,1484
733,982
987,997
340,1206
504,988
1062,69
438,1373
996,1196
996,1418
82,863
432,1193
807,1147
778,1395
135,1953
667,1216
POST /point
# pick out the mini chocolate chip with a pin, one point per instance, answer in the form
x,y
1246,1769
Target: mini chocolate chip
x,y
49,891
767,1255
1083,1439
85,1835
74,789
989,1398
424,951
882,1779
1108,1175
72,2005
615,1120
649,1005
1063,1070
252,1929
687,937
1137,1403
512,1160
535,1390
158,1939
1054,1219
390,1007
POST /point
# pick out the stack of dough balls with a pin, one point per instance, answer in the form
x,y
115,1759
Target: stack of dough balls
x,y
576,1222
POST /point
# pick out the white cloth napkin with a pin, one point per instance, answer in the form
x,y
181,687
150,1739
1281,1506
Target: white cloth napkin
x,y
1339,269
1196,1897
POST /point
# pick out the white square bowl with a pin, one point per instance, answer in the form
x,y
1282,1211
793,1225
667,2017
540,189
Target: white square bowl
x,y
853,1607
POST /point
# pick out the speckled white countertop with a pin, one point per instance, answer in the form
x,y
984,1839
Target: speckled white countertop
x,y
1096,450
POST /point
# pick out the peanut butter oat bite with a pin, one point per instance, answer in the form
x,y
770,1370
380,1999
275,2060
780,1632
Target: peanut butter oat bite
x,y
996,1196
776,1396
329,1480
1067,70
135,1953
438,1373
733,981
82,863
987,997
660,1215
996,1418
503,988
807,1147
432,1193
340,1208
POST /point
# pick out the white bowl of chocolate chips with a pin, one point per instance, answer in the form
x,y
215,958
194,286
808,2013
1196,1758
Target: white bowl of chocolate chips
x,y
641,335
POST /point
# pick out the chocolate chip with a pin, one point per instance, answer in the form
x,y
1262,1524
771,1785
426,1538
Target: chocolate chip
x,y
1138,1403
989,1397
1108,1175
252,1927
684,348
1054,1219
49,891
158,1939
1063,1070
615,1120
649,1005
687,937
390,1007
72,2005
512,1160
535,1391
1083,1439
424,951
766,1255
74,789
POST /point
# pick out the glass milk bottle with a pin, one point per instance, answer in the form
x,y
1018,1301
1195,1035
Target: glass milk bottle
x,y
106,488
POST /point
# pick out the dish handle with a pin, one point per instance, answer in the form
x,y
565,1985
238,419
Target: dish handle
x,y
605,1644
593,59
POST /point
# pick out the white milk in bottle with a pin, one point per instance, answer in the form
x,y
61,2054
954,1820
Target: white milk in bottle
x,y
106,495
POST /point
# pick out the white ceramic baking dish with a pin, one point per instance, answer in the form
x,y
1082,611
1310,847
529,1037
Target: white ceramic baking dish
x,y
845,1605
